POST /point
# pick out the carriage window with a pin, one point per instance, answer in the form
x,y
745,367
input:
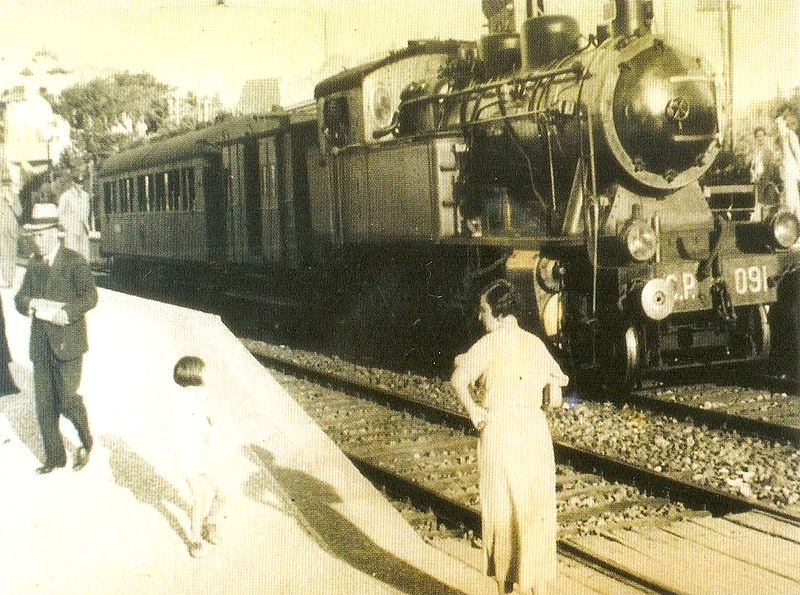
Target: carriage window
x,y
141,193
173,189
131,194
107,197
190,189
159,194
151,192
336,122
130,189
184,191
114,203
123,196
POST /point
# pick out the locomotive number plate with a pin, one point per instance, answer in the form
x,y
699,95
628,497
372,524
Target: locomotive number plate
x,y
748,280
689,293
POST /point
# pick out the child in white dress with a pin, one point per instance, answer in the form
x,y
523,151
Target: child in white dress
x,y
193,433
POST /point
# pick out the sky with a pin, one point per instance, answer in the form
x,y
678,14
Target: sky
x,y
195,44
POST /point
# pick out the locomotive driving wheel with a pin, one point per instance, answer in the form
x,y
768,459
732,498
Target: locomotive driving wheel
x,y
758,330
619,352
606,358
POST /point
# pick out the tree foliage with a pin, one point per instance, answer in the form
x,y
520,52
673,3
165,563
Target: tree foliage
x,y
732,165
96,109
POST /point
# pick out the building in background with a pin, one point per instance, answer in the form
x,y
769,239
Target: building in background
x,y
189,108
259,96
33,137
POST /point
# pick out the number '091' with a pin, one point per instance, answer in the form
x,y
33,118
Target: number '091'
x,y
751,280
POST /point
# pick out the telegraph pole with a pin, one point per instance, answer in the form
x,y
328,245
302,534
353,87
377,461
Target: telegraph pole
x,y
725,9
729,59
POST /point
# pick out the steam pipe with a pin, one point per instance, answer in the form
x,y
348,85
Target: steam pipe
x,y
632,16
529,12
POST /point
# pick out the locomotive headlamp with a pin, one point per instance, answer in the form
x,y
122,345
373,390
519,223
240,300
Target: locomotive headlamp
x,y
640,240
785,228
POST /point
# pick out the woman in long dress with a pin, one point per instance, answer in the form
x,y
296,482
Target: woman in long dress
x,y
515,450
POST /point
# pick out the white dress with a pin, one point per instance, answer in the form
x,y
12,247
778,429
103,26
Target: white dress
x,y
191,431
515,455
73,213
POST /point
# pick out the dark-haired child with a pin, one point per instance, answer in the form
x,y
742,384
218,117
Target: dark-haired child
x,y
193,433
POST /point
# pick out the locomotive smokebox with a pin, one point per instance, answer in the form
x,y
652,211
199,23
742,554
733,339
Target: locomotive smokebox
x,y
548,38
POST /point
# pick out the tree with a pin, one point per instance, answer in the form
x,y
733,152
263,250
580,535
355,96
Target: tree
x,y
94,108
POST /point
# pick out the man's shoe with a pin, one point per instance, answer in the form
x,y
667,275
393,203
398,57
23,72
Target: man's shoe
x,y
209,533
196,549
45,469
81,458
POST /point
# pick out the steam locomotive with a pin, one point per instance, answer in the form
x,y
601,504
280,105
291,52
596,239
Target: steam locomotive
x,y
569,166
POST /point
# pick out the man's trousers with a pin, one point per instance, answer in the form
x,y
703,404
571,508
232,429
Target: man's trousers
x,y
56,385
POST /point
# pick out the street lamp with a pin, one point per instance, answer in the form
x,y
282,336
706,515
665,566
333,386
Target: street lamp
x,y
50,134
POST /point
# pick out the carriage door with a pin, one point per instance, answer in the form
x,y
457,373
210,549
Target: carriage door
x,y
244,213
270,193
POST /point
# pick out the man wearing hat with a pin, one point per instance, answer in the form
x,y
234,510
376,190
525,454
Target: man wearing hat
x,y
57,291
73,213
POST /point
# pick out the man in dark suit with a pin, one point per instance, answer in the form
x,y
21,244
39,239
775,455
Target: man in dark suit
x,y
58,289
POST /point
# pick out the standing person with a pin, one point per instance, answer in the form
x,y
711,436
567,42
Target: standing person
x,y
7,384
57,291
515,450
10,211
790,164
761,160
193,435
73,213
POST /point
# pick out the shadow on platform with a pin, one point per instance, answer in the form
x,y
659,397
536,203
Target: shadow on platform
x,y
140,477
313,501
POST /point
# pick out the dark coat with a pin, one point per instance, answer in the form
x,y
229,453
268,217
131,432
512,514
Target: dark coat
x,y
7,385
69,281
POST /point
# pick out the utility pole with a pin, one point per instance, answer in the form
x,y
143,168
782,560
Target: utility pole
x,y
729,55
725,9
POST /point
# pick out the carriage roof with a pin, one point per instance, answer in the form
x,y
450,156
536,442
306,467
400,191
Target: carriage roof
x,y
203,143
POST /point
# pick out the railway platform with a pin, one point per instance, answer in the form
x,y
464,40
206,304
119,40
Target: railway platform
x,y
299,518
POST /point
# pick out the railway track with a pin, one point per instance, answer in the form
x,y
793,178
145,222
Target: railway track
x,y
435,467
613,468
432,462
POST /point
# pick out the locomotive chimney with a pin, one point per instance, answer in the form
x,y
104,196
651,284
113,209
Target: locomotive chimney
x,y
633,16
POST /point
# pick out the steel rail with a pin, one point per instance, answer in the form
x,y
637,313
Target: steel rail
x,y
713,418
613,469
